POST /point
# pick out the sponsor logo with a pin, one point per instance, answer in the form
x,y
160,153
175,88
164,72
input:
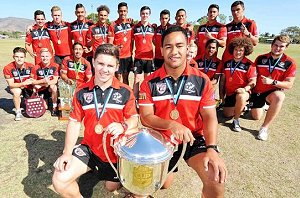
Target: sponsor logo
x,y
281,64
142,96
117,97
78,151
161,87
88,97
190,87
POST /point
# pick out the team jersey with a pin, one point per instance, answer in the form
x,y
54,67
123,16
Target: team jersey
x,y
61,38
143,37
98,34
197,93
234,30
19,75
70,68
79,31
39,38
237,74
193,63
40,72
190,34
216,29
120,107
122,34
286,67
210,67
157,40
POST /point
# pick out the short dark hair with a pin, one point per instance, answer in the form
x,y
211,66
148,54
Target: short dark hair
x,y
38,12
145,8
79,5
122,4
19,49
174,28
108,49
210,41
213,6
236,3
76,43
244,42
179,10
103,8
164,12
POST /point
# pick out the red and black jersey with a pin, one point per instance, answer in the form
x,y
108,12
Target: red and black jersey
x,y
122,34
143,37
210,67
19,75
286,67
40,72
190,34
216,29
157,40
234,30
237,74
39,38
197,93
61,38
84,69
98,34
193,63
120,106
79,31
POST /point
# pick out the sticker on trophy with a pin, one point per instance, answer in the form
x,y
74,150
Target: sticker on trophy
x,y
125,39
80,39
98,128
40,45
230,79
144,41
59,42
174,114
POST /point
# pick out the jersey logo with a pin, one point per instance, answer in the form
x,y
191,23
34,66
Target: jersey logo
x,y
88,97
281,64
190,87
213,65
15,73
117,97
161,88
200,64
41,72
27,71
264,61
138,29
79,152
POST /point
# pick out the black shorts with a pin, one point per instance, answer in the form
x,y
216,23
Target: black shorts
x,y
125,65
45,92
141,66
59,59
230,101
103,169
199,146
258,100
26,93
158,63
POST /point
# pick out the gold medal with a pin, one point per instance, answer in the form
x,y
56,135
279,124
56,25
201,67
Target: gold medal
x,y
125,39
144,41
40,45
80,39
174,114
98,128
77,76
59,42
230,79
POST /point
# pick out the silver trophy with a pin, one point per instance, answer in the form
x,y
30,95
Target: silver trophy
x,y
66,93
143,160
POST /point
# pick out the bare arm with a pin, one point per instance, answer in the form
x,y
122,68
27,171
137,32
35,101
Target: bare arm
x,y
287,83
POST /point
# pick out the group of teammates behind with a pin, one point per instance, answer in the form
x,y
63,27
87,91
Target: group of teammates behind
x,y
75,43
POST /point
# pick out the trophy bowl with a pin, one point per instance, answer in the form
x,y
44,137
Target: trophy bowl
x,y
143,161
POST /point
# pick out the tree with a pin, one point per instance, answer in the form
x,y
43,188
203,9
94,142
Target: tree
x,y
202,20
293,32
93,17
222,18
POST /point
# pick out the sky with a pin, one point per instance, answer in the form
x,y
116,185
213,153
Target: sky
x,y
271,16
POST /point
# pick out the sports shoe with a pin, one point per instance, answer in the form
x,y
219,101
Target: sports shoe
x,y
263,134
18,116
54,111
236,125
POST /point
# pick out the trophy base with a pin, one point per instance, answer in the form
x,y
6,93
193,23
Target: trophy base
x,y
64,112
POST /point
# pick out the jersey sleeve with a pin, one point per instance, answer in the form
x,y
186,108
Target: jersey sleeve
x,y
7,73
28,38
77,113
253,29
88,70
130,107
291,71
145,97
208,96
222,33
252,71
89,34
111,32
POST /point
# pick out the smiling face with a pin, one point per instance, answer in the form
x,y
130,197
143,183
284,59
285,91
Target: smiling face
x,y
40,20
174,50
102,16
278,48
145,16
212,14
80,13
211,50
105,68
19,58
78,51
238,53
180,18
123,11
46,57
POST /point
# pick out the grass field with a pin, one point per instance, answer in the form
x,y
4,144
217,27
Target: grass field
x,y
256,169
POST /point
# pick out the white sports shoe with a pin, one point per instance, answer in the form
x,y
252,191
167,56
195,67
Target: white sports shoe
x,y
263,134
18,116
236,125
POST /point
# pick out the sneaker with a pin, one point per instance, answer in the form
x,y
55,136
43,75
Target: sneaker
x,y
263,134
266,107
18,116
236,125
54,112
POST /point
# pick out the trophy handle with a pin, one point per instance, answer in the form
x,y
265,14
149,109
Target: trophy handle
x,y
181,155
106,154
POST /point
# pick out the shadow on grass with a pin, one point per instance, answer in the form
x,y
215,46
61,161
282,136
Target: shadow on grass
x,y
7,105
42,153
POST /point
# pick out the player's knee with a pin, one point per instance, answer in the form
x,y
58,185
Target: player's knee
x,y
256,114
241,97
112,186
16,92
213,188
53,88
60,181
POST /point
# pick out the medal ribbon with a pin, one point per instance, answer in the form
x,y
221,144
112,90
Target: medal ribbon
x,y
124,28
177,95
232,69
40,36
272,67
100,114
80,27
46,74
21,79
207,68
144,32
103,32
77,67
58,31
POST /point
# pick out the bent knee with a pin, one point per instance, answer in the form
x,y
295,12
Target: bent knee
x,y
256,115
276,97
214,188
60,180
242,97
112,186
